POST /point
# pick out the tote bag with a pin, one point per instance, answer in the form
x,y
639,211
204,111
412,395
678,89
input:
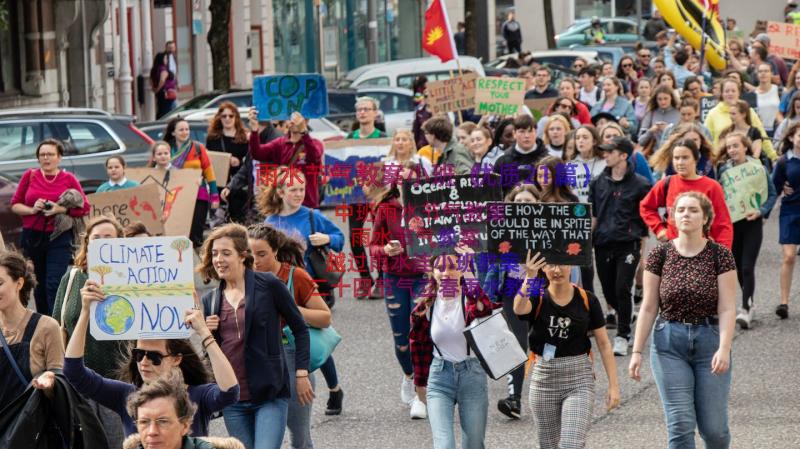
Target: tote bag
x,y
495,345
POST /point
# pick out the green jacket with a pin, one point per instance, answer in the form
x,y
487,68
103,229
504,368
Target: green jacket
x,y
458,156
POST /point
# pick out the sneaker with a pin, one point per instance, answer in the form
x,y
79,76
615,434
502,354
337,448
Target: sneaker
x,y
637,294
743,318
363,293
335,402
509,407
418,409
407,391
620,346
375,293
611,321
782,311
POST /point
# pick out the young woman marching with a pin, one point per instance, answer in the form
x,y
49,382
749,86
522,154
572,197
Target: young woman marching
x,y
562,378
786,177
749,231
690,294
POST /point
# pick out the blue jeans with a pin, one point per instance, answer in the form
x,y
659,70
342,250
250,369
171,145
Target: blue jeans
x,y
692,396
50,262
328,370
463,384
299,417
399,302
257,426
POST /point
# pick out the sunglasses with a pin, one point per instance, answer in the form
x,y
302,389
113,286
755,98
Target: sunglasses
x,y
153,356
227,115
627,66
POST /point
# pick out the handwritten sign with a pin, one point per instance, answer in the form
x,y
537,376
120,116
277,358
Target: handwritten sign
x,y
222,165
499,96
277,96
140,203
177,190
539,106
745,188
561,232
444,211
706,105
348,162
784,39
148,283
452,94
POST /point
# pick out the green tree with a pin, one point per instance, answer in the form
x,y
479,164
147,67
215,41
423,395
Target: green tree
x,y
102,270
180,245
219,43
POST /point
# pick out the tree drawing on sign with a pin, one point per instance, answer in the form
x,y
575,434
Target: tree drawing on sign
x,y
180,246
102,270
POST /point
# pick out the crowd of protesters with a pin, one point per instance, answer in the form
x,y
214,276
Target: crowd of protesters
x,y
629,140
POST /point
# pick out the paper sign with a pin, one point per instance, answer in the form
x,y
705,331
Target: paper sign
x,y
539,106
222,166
148,283
452,94
277,96
499,96
177,190
745,188
444,211
706,105
141,203
561,232
348,164
784,39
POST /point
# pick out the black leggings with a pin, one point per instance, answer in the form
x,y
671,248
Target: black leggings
x,y
616,268
357,248
747,237
520,330
198,223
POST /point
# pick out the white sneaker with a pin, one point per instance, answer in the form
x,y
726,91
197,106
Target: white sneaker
x,y
407,391
744,318
418,409
620,346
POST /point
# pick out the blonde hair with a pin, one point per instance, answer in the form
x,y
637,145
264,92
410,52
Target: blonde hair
x,y
552,119
268,200
410,136
81,255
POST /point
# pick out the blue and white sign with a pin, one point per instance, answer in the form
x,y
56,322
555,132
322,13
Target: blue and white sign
x,y
278,96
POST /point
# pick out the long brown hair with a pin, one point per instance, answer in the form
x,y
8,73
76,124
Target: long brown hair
x,y
268,200
81,255
194,369
722,153
662,158
238,235
215,127
287,249
552,192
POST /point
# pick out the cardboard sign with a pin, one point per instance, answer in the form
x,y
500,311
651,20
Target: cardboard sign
x,y
222,166
277,96
442,212
452,94
140,203
706,105
745,188
177,190
539,106
784,39
345,162
499,96
148,283
561,232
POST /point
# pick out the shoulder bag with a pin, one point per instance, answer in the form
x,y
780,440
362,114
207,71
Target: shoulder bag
x,y
64,302
318,257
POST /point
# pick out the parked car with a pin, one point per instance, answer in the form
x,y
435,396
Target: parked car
x,y
563,58
396,105
616,30
90,136
10,223
614,52
211,100
403,72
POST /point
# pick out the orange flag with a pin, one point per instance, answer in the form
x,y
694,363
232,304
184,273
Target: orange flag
x,y
437,38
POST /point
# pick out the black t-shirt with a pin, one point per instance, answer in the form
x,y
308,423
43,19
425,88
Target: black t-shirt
x,y
227,145
564,327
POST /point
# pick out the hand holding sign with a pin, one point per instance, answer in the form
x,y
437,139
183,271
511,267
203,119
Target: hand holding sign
x,y
194,319
534,264
276,97
91,292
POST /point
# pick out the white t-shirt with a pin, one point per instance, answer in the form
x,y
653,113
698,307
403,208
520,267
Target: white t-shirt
x,y
590,98
447,330
596,167
768,106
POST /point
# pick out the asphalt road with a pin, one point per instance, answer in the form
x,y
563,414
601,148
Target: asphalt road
x,y
764,403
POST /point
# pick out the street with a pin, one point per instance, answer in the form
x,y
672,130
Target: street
x,y
764,403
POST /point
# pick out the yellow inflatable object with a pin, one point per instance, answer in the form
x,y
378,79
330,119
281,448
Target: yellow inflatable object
x,y
686,17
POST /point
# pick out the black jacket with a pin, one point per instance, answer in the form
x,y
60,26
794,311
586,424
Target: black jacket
x,y
615,204
524,163
33,421
242,181
267,300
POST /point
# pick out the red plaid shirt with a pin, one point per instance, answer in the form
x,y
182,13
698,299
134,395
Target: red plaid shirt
x,y
420,335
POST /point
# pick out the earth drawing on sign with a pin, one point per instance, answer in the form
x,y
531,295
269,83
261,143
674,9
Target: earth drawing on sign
x,y
115,315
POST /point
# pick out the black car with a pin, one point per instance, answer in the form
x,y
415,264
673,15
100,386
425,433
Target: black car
x,y
10,223
90,136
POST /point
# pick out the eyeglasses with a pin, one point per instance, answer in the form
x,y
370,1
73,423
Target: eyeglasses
x,y
153,356
627,66
227,115
161,423
47,155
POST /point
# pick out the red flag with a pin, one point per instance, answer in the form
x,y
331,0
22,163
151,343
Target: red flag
x,y
437,38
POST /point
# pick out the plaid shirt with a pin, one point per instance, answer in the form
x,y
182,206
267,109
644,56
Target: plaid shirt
x,y
420,335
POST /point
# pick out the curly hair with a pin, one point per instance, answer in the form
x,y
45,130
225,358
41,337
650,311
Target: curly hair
x,y
18,267
238,235
194,369
169,386
215,127
705,206
287,249
81,255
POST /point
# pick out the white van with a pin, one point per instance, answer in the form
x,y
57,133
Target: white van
x,y
402,73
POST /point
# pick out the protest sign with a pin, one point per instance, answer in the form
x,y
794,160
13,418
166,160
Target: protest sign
x,y
277,96
784,40
148,284
222,166
177,190
706,105
141,203
561,232
451,95
499,96
347,163
538,106
745,188
444,211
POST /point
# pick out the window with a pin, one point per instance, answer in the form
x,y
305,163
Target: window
x,y
623,28
18,141
382,81
240,100
391,103
81,138
341,102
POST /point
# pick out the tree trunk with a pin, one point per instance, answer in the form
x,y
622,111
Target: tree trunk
x,y
549,29
218,42
471,23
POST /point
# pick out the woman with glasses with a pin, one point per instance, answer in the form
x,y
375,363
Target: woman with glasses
x,y
629,75
563,106
148,361
226,133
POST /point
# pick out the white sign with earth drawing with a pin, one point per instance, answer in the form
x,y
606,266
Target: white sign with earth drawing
x,y
148,283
